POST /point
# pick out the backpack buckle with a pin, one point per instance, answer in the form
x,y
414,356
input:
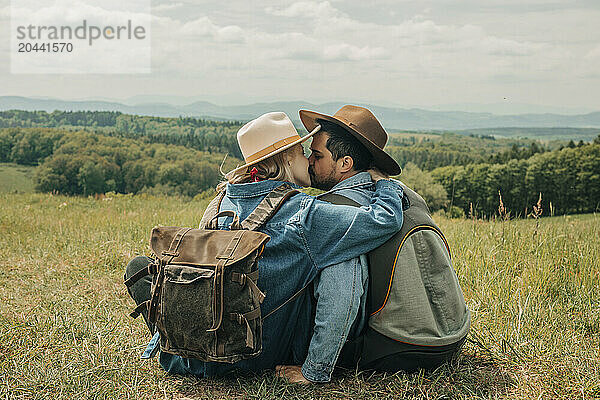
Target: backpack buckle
x,y
153,268
237,317
238,278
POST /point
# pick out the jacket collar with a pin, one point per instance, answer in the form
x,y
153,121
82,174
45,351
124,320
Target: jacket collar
x,y
254,189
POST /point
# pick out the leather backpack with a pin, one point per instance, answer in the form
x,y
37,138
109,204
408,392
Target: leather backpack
x,y
204,299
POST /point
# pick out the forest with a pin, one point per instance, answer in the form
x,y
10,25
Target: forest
x,y
87,153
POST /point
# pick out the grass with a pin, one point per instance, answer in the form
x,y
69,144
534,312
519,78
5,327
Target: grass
x,y
16,178
532,287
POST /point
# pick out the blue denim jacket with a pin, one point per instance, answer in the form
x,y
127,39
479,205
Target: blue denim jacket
x,y
335,326
307,235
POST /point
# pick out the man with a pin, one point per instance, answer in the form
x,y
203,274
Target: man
x,y
350,142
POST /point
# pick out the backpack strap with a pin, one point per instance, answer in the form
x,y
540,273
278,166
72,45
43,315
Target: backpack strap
x,y
218,280
151,269
212,209
249,279
261,214
292,298
245,319
140,307
167,257
268,207
174,247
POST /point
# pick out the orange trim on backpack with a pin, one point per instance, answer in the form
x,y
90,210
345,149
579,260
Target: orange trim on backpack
x,y
261,250
419,227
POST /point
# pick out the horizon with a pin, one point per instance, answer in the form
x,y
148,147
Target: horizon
x,y
498,109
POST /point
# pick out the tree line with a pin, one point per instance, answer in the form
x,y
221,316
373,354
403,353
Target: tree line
x,y
568,180
456,149
196,133
84,163
427,152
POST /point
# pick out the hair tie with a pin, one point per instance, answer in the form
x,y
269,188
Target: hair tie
x,y
253,175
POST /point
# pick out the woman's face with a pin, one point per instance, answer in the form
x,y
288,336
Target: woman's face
x,y
298,164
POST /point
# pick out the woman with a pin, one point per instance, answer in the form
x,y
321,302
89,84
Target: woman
x,y
307,235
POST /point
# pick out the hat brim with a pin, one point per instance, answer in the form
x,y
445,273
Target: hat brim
x,y
279,150
382,160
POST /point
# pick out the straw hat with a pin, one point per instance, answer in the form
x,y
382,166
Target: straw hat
x,y
362,124
268,135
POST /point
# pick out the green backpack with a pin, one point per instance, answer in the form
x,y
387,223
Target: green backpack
x,y
204,299
414,297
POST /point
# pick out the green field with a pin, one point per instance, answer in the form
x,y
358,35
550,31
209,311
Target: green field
x,y
16,178
533,288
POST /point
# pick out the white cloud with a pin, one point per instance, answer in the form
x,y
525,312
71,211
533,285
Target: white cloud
x,y
5,12
166,7
344,51
306,9
204,27
416,47
593,55
73,12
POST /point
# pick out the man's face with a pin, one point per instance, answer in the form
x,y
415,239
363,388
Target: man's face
x,y
322,168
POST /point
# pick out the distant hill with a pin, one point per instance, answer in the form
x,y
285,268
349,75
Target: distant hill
x,y
391,118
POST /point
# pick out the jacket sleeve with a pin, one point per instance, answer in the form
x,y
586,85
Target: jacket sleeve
x,y
335,233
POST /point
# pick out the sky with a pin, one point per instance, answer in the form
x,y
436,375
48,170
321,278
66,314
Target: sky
x,y
386,52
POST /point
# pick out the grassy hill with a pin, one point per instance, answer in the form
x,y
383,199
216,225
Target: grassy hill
x,y
16,178
533,287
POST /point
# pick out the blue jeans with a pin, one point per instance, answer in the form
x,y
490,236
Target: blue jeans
x,y
340,291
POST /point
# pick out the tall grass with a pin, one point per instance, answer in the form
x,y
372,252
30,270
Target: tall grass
x,y
533,288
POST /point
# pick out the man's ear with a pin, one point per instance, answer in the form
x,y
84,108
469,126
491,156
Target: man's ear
x,y
345,164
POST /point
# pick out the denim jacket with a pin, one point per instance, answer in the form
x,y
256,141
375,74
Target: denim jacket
x,y
329,337
307,235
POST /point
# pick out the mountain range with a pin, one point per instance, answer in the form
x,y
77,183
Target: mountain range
x,y
390,117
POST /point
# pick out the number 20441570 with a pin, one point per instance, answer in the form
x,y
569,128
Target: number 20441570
x,y
59,47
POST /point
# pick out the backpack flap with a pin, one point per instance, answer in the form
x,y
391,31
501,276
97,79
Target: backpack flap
x,y
200,247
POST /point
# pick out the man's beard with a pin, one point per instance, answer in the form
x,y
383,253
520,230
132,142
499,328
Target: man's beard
x,y
323,183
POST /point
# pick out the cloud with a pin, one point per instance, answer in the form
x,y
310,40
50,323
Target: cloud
x,y
166,7
65,12
4,12
306,9
310,33
347,52
204,27
593,54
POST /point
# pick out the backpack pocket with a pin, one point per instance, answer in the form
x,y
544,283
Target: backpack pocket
x,y
183,324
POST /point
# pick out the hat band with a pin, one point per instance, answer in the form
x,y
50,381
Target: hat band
x,y
272,148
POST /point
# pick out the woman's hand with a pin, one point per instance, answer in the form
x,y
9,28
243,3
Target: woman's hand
x,y
377,175
291,373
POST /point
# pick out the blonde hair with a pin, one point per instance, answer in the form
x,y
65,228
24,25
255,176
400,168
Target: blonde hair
x,y
274,168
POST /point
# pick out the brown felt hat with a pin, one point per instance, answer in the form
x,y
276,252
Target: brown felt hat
x,y
362,124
